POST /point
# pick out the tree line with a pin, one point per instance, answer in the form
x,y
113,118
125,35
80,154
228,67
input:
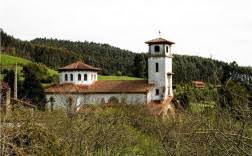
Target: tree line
x,y
57,53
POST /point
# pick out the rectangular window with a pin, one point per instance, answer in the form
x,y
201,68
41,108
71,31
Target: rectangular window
x,y
85,77
156,48
79,77
157,67
66,77
71,77
157,91
167,49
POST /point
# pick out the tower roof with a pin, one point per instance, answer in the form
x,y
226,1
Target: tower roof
x,y
79,66
159,40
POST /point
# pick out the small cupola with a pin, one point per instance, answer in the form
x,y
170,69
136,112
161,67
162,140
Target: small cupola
x,y
78,73
159,46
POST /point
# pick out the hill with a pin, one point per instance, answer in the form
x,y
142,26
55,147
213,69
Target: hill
x,y
7,60
12,60
55,53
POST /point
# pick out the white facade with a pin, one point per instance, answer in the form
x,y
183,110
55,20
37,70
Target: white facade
x,y
159,74
160,71
62,100
78,77
164,49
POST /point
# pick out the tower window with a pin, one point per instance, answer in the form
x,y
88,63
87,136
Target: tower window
x,y
85,77
79,77
156,48
157,67
167,49
66,77
157,91
71,77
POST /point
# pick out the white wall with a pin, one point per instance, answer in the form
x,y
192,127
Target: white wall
x,y
160,78
80,99
91,77
162,49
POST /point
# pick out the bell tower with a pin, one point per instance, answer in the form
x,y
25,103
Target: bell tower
x,y
160,68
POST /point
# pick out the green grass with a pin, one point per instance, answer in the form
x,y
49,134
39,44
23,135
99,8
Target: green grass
x,y
12,60
200,107
103,77
8,60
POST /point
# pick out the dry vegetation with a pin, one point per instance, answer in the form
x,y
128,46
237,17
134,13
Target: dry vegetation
x,y
125,130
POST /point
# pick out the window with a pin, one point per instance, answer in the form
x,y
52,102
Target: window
x,y
95,77
156,48
51,100
71,77
92,76
157,67
85,77
167,49
157,91
66,77
79,77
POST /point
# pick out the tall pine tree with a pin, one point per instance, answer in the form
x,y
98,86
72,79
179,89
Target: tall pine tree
x,y
33,89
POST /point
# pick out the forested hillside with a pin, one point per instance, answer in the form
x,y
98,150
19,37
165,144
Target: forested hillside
x,y
113,60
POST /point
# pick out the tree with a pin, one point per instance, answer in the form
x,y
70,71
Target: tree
x,y
9,78
33,89
233,97
139,65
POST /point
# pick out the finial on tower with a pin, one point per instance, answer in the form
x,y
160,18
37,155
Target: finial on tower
x,y
159,32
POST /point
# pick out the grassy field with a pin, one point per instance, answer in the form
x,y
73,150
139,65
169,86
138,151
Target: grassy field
x,y
200,107
103,77
8,60
12,60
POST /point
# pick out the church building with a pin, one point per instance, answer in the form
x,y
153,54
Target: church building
x,y
79,84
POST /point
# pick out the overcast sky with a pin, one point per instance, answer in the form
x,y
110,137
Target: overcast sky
x,y
221,29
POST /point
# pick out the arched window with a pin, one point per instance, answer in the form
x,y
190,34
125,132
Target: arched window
x,y
157,67
156,48
85,77
79,77
167,49
157,91
66,77
71,77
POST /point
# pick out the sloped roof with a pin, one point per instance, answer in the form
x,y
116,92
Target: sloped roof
x,y
79,66
103,86
159,40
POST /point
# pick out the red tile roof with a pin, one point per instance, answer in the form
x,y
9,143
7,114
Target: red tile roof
x,y
103,86
198,84
159,40
78,66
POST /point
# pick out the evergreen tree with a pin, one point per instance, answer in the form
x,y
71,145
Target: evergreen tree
x,y
9,78
33,89
139,65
